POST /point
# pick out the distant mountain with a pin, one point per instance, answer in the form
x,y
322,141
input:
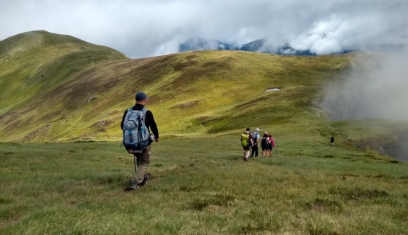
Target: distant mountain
x,y
259,46
196,44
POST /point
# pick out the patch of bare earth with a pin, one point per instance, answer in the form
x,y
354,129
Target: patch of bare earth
x,y
101,125
186,105
38,134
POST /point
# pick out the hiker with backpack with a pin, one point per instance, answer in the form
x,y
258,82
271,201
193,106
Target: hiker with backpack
x,y
246,143
264,144
255,142
136,124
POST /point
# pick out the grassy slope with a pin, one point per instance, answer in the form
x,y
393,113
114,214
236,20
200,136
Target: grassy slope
x,y
190,93
38,62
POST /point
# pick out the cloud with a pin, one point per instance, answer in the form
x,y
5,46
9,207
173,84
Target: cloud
x,y
148,28
376,89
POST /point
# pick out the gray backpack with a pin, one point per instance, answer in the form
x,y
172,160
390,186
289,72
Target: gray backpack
x,y
136,136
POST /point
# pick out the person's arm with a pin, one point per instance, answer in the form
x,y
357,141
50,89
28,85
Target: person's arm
x,y
151,123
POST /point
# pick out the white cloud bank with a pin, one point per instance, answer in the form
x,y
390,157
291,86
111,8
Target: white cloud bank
x,y
379,92
147,28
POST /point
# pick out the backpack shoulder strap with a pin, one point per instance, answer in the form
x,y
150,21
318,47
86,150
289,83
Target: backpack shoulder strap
x,y
143,116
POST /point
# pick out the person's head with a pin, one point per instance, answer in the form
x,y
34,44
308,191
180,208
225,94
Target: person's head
x,y
257,129
270,136
265,134
141,98
248,129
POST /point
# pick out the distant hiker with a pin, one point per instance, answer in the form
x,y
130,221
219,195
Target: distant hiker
x,y
264,144
271,144
255,142
332,140
144,121
246,142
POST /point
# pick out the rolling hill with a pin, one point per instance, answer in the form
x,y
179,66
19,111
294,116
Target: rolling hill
x,y
56,88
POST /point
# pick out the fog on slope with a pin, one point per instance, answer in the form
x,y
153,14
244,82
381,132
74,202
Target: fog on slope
x,y
377,91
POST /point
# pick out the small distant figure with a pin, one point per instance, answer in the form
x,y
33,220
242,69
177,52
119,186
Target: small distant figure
x,y
270,145
264,144
255,142
246,142
332,141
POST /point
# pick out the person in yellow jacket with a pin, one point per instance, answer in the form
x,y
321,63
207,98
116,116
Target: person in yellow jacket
x,y
246,142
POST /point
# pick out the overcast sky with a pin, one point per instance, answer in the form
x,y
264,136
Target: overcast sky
x,y
155,27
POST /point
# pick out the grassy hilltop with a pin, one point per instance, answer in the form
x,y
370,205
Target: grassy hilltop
x,y
62,170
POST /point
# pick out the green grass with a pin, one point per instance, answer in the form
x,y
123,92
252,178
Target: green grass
x,y
201,186
66,96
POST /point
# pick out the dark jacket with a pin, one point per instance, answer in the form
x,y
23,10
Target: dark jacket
x,y
149,121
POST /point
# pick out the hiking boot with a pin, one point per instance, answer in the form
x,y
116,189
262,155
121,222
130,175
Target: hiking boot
x,y
133,187
146,178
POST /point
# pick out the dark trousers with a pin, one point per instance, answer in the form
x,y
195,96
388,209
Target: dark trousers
x,y
254,151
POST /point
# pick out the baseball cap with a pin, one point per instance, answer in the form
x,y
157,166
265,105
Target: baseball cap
x,y
141,96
